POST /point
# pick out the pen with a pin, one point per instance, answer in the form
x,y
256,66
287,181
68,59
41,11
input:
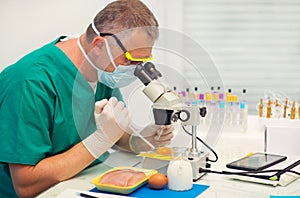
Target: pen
x,y
159,132
90,195
85,195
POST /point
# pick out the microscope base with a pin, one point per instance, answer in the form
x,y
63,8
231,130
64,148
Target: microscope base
x,y
197,163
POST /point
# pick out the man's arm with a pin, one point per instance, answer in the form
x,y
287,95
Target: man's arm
x,y
30,180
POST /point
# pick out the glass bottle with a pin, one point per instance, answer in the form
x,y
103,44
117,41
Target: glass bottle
x,y
261,108
298,111
293,110
277,112
285,108
269,109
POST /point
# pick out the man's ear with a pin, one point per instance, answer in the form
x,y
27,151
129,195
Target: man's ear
x,y
98,44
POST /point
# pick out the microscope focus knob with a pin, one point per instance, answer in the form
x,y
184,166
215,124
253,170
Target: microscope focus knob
x,y
203,111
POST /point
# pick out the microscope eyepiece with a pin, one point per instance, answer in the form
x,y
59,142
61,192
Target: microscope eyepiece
x,y
147,72
152,71
141,73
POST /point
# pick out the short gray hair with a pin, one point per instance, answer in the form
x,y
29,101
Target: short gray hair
x,y
122,15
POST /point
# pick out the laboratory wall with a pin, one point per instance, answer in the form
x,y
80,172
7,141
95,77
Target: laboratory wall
x,y
27,25
254,45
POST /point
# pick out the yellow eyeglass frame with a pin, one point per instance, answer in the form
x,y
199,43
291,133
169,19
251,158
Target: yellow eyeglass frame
x,y
129,57
127,54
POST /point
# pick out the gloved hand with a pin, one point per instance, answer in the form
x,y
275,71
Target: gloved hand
x,y
112,120
155,134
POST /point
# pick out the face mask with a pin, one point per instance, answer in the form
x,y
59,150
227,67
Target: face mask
x,y
120,77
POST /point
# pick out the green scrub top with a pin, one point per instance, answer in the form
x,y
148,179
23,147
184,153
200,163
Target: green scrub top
x,y
46,107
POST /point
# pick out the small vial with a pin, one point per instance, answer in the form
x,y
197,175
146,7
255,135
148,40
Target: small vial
x,y
269,109
235,110
187,90
182,95
190,96
298,111
196,93
186,95
285,108
221,112
293,110
209,108
228,95
216,94
207,97
201,100
261,108
243,97
277,111
228,109
221,97
174,91
243,117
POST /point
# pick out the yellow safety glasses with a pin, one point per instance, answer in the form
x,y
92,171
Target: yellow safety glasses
x,y
127,54
129,57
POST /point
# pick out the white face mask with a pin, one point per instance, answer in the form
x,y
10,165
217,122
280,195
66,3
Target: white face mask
x,y
120,77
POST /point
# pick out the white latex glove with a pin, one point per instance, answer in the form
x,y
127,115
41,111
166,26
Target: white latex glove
x,y
155,134
112,120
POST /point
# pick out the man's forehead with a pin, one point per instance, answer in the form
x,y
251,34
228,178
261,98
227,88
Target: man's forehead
x,y
138,39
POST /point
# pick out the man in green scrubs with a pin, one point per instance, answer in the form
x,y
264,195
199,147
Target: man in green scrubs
x,y
50,126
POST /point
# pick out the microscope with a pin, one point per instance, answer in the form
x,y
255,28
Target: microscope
x,y
168,107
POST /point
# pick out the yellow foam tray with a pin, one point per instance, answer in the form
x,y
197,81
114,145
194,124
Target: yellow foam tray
x,y
120,189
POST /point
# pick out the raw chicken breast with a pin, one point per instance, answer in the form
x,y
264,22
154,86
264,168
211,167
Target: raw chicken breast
x,y
122,178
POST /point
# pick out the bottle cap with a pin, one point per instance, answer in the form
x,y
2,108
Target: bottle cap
x,y
228,97
222,105
216,96
195,103
196,88
242,105
208,96
234,98
221,96
201,96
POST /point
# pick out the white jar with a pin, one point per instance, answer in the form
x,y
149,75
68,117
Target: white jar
x,y
180,174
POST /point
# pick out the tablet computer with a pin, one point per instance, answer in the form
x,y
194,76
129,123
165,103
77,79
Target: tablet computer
x,y
256,162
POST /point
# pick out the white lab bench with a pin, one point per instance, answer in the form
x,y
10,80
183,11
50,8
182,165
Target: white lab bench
x,y
230,146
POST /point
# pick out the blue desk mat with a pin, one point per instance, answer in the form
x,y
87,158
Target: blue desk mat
x,y
277,196
146,192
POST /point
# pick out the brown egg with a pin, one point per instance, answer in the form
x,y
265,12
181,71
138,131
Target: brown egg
x,y
157,181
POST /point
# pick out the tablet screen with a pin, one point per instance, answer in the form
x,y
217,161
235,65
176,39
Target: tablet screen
x,y
257,161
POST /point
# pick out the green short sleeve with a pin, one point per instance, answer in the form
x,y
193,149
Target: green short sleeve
x,y
27,128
